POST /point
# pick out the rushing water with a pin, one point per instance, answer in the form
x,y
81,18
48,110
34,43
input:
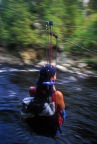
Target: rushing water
x,y
80,94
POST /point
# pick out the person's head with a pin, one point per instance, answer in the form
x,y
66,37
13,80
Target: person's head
x,y
47,73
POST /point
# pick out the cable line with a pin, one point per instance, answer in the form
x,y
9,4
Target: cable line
x,y
56,36
80,46
16,11
40,20
75,27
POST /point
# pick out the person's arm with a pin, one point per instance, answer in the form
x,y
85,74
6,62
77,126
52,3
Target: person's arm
x,y
60,100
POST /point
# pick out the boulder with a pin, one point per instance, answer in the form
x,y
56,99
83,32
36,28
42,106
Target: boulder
x,y
61,68
66,65
36,26
82,65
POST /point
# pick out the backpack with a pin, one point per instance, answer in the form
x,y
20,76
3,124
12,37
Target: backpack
x,y
36,106
31,106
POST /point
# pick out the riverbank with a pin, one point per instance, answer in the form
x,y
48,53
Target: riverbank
x,y
37,57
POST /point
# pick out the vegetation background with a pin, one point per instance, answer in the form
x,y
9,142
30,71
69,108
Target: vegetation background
x,y
23,25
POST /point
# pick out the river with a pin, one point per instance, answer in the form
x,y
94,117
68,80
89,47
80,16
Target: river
x,y
80,95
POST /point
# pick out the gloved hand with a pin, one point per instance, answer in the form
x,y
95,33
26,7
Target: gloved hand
x,y
64,114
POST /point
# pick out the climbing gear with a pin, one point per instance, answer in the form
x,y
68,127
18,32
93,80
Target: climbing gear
x,y
49,53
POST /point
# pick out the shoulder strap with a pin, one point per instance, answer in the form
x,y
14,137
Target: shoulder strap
x,y
54,99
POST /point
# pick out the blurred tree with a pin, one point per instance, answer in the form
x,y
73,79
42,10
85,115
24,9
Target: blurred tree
x,y
86,37
16,18
17,21
93,5
72,16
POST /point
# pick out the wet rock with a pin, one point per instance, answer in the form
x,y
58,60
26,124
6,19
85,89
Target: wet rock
x,y
62,58
70,71
66,65
63,69
28,56
60,48
36,26
75,69
82,65
42,63
82,75
88,72
72,79
69,61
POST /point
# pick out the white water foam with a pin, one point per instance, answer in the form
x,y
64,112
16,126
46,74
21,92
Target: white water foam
x,y
17,70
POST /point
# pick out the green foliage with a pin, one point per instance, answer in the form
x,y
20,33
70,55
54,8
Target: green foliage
x,y
17,22
3,33
91,62
87,37
93,5
17,16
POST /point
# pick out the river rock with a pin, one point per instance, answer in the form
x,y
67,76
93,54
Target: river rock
x,y
82,75
82,65
71,71
28,56
60,48
69,61
72,79
61,68
75,69
88,72
42,63
66,65
36,26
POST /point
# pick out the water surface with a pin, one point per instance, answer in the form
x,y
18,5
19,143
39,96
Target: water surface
x,y
80,95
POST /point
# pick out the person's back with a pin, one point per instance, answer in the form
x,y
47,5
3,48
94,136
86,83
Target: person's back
x,y
47,75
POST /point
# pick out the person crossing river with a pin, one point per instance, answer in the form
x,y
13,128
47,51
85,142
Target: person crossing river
x,y
51,124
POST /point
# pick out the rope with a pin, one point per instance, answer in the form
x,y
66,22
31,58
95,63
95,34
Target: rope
x,y
50,51
56,52
76,27
80,46
47,55
56,36
16,11
50,23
